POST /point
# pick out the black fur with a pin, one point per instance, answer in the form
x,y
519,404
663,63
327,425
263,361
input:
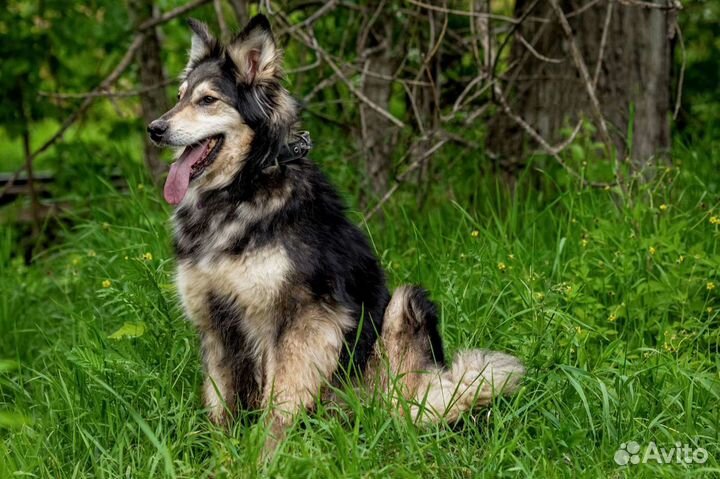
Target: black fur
x,y
331,257
226,317
280,215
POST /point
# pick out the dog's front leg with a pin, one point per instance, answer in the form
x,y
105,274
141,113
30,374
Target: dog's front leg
x,y
306,356
218,390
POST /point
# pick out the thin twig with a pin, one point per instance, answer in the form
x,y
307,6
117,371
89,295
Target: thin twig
x,y
167,16
580,10
464,13
675,5
536,53
582,69
104,85
309,21
553,151
603,43
312,43
117,94
399,179
224,31
681,77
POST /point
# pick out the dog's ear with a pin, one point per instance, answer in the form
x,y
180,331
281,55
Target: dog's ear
x,y
203,43
254,53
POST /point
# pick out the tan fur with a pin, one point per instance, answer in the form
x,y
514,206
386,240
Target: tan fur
x,y
293,371
474,378
257,58
255,280
218,377
395,357
399,368
303,363
190,121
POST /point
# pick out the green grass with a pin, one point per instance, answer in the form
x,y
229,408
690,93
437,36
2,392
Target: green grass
x,y
608,299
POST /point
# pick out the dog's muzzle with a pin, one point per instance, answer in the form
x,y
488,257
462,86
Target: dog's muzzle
x,y
157,129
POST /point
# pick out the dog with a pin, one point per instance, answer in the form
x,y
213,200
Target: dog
x,y
286,294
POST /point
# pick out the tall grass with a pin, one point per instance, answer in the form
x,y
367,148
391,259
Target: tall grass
x,y
611,300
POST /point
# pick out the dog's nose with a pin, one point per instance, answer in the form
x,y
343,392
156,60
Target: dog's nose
x,y
157,129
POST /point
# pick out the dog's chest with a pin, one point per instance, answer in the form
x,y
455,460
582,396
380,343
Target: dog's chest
x,y
252,282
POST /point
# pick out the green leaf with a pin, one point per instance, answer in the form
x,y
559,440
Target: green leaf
x,y
8,365
578,153
129,330
11,420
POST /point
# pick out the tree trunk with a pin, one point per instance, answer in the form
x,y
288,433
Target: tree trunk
x,y
378,135
154,103
633,80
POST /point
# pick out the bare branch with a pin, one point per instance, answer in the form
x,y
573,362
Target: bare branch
x,y
174,13
324,10
603,43
553,151
674,5
312,43
399,179
681,77
108,93
535,53
224,31
465,13
582,69
104,85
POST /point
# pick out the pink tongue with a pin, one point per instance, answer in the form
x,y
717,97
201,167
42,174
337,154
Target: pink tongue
x,y
178,179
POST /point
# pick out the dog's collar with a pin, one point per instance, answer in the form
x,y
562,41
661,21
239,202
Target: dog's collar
x,y
295,150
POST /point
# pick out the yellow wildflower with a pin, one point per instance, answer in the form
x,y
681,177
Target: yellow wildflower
x,y
92,253
583,243
663,207
511,257
474,233
147,256
652,250
714,220
710,286
709,310
680,259
106,284
612,318
501,266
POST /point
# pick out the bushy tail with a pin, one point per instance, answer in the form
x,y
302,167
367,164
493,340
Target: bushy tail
x,y
472,379
411,344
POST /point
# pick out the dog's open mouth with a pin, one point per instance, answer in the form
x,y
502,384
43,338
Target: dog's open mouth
x,y
189,166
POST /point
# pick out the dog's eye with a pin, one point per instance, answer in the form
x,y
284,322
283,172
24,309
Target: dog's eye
x,y
208,100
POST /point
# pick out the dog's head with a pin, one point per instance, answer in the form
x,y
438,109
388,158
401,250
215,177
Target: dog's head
x,y
230,101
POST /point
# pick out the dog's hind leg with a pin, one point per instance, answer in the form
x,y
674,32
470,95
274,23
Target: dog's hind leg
x,y
409,361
